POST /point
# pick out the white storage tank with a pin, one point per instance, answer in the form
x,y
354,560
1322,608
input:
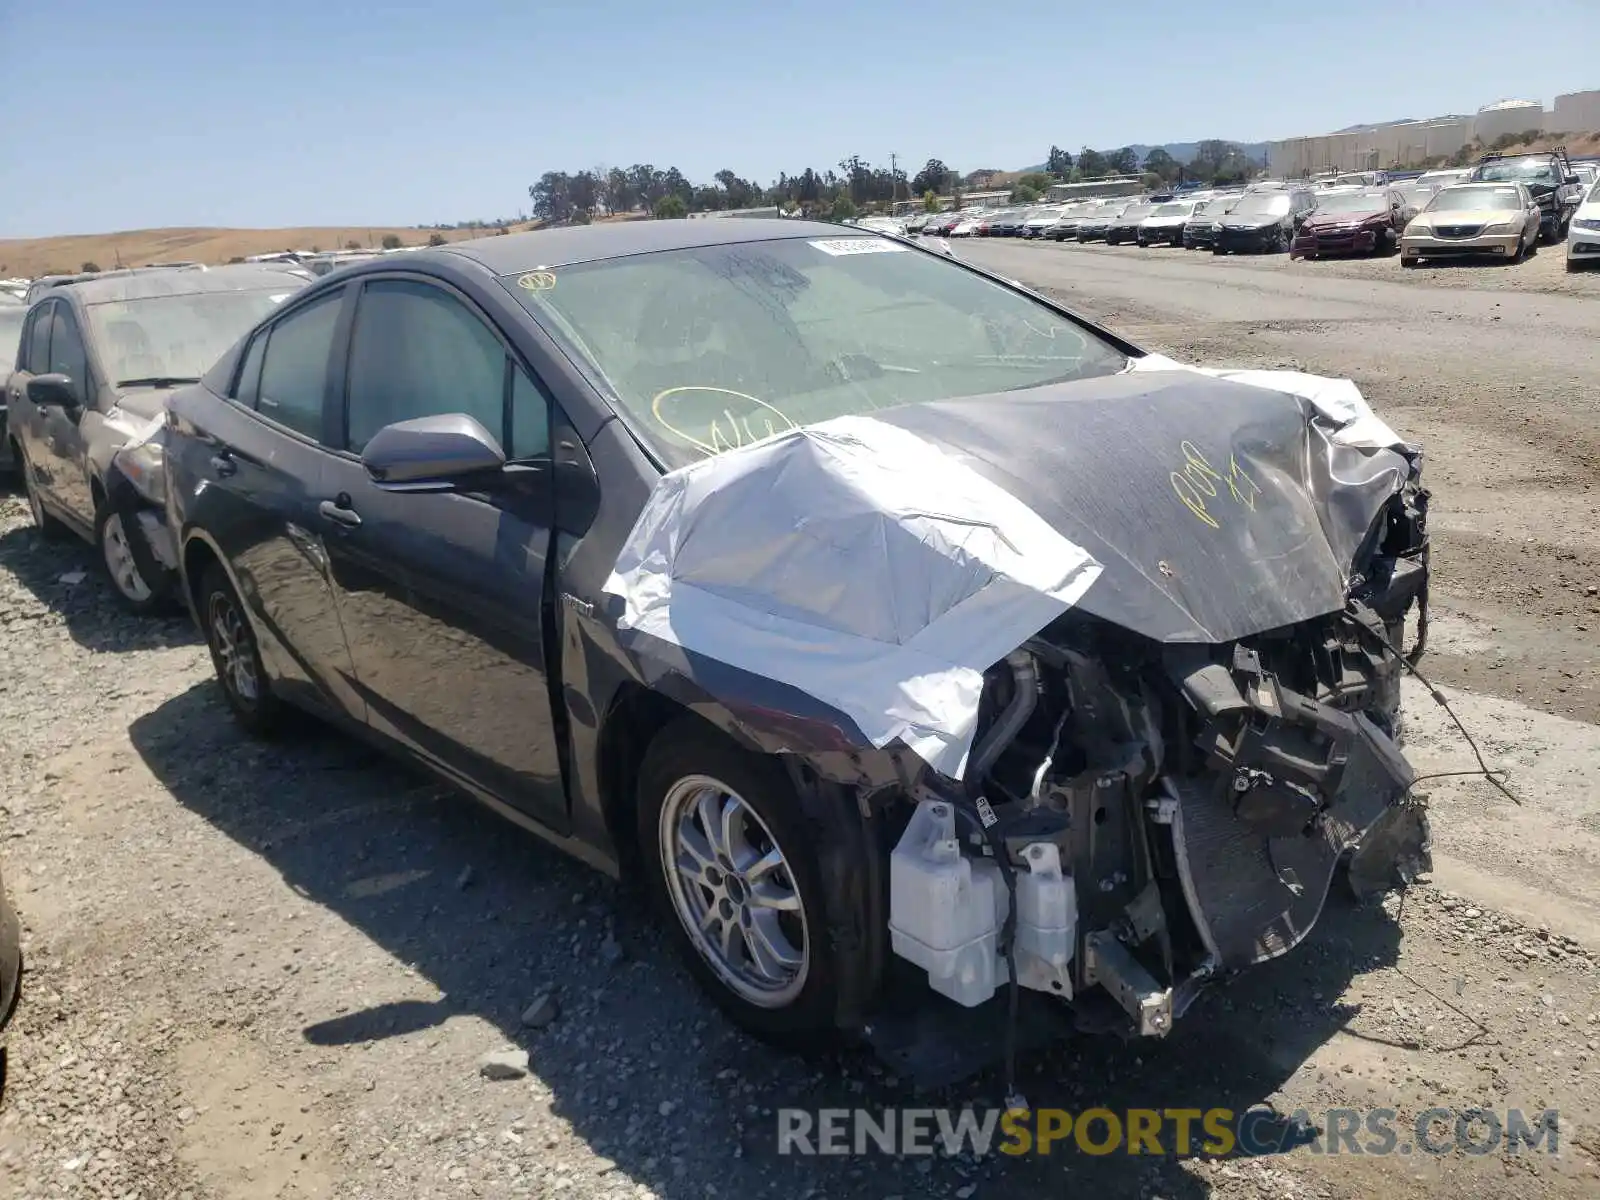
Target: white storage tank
x,y
1575,112
1507,117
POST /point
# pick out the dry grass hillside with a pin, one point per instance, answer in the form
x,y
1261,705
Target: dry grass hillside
x,y
31,257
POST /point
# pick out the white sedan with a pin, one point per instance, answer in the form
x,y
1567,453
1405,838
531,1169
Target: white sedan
x,y
1583,234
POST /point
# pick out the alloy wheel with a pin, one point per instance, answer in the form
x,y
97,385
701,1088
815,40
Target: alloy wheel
x,y
234,647
734,891
118,554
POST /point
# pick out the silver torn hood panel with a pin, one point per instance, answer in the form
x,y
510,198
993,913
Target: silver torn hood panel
x,y
857,562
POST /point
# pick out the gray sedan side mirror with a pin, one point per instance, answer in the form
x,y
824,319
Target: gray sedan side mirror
x,y
54,390
442,449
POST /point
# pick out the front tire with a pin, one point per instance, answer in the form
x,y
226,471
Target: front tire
x,y
140,595
235,655
734,871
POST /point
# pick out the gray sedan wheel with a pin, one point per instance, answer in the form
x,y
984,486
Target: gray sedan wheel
x,y
734,867
734,891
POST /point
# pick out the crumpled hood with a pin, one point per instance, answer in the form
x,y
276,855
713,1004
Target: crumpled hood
x,y
143,402
1216,509
1320,220
1231,222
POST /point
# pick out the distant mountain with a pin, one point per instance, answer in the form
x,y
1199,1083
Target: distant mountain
x,y
1182,151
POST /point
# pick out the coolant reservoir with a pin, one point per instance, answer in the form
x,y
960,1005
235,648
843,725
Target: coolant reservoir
x,y
945,909
1047,921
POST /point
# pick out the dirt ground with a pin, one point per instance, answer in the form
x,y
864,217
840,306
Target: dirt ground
x,y
32,257
271,970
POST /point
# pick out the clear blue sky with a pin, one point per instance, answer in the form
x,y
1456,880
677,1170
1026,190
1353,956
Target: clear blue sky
x,y
117,114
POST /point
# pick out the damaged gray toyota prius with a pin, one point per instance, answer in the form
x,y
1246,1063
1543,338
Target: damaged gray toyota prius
x,y
890,620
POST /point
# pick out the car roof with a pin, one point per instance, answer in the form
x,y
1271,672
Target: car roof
x,y
513,252
144,284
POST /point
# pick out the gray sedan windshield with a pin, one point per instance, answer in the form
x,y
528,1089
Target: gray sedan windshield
x,y
715,347
176,337
10,330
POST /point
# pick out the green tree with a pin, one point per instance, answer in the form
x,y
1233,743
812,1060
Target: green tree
x,y
90,268
552,197
1161,163
670,207
844,208
1058,162
391,241
930,201
1091,163
1124,161
434,239
1037,181
932,178
1023,195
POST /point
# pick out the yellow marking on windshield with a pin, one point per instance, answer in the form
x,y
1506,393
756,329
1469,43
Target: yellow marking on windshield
x,y
726,431
538,281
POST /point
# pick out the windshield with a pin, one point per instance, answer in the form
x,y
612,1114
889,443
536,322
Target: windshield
x,y
1262,204
1464,199
1172,210
1135,211
1352,202
1522,170
10,333
176,337
715,347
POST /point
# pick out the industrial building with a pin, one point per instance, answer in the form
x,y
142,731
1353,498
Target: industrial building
x,y
1406,143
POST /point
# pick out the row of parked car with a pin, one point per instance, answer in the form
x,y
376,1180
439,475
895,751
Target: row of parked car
x,y
1503,206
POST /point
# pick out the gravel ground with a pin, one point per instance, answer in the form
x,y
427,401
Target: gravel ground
x,y
276,970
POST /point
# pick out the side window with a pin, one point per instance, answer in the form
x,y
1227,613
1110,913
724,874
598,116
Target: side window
x,y
530,418
66,350
294,370
250,372
417,351
39,341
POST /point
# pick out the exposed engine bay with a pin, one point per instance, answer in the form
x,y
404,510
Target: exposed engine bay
x,y
1143,817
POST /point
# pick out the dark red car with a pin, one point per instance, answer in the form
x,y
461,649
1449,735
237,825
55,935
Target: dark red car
x,y
1356,222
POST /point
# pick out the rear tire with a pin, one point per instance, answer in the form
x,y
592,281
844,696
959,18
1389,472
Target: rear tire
x,y
772,970
235,656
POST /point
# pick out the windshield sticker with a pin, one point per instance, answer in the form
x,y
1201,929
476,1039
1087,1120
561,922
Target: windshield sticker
x,y
723,431
538,281
842,246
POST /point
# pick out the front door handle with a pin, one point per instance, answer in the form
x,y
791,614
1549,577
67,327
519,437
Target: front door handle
x,y
340,512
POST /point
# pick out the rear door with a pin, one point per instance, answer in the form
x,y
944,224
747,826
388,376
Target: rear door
x,y
444,593
253,474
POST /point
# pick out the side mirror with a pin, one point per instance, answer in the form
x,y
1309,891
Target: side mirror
x,y
54,391
442,449
1573,179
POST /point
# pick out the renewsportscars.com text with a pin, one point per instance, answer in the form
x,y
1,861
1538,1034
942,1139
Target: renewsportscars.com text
x,y
1182,1131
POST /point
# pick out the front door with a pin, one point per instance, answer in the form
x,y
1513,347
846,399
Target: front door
x,y
61,444
443,594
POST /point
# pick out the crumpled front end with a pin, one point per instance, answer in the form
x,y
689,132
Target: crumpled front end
x,y
1133,643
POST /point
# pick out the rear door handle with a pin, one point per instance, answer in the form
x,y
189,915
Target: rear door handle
x,y
223,464
340,512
